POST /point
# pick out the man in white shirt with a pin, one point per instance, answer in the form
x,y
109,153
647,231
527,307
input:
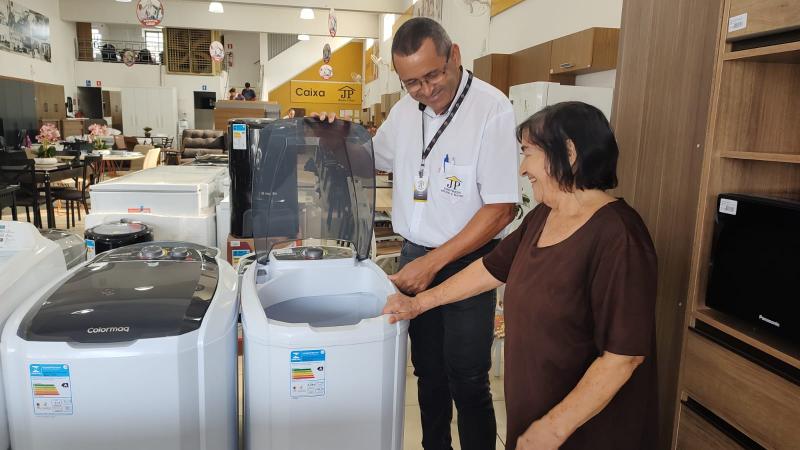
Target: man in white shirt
x,y
452,149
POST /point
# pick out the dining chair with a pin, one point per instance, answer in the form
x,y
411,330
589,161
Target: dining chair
x,y
77,196
18,170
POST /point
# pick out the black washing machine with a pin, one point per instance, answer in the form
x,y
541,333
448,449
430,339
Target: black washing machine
x,y
112,235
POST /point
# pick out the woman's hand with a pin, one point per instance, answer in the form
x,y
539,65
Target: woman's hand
x,y
541,435
401,307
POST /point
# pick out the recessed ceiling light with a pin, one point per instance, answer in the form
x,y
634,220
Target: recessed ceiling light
x,y
307,13
303,37
216,7
124,1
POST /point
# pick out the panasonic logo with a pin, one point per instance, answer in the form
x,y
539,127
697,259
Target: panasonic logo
x,y
771,322
109,330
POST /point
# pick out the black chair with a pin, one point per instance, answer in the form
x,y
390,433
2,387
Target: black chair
x,y
20,171
144,57
108,53
8,197
77,196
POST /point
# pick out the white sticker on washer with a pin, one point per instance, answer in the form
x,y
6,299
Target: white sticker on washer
x,y
728,206
307,373
737,23
52,389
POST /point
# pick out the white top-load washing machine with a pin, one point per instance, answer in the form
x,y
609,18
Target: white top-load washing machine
x,y
322,367
178,202
27,260
135,349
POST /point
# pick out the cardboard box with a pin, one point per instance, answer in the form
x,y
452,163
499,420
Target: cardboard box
x,y
236,248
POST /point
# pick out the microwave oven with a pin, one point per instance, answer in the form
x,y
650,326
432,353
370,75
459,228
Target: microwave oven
x,y
754,271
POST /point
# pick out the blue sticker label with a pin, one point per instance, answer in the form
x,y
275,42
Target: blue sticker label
x,y
51,387
307,373
308,355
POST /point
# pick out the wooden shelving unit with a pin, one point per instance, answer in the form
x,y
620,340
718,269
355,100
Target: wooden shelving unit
x,y
783,53
788,158
754,103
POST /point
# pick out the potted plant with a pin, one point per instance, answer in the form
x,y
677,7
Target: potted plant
x,y
48,135
147,131
97,132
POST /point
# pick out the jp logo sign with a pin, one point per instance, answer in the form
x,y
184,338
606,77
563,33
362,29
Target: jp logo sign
x,y
346,93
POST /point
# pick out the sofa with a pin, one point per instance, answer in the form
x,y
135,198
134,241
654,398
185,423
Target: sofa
x,y
195,143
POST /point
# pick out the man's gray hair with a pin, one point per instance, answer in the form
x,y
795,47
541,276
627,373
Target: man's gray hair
x,y
412,34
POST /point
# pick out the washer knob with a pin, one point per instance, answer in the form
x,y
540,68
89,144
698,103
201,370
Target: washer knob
x,y
179,253
151,252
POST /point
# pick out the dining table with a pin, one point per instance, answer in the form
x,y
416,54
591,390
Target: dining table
x,y
47,174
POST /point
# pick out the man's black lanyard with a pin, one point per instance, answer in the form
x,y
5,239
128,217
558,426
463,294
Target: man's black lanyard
x,y
444,125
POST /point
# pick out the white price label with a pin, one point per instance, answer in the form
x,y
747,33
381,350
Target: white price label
x,y
728,206
737,23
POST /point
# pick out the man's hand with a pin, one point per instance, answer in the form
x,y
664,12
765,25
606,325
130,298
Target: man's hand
x,y
401,307
415,276
329,116
541,435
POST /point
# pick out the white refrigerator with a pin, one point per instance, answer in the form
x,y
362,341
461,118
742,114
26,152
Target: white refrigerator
x,y
529,98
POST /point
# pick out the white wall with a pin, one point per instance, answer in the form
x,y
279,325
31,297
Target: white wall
x,y
468,26
237,17
117,76
295,59
246,56
535,21
62,36
387,81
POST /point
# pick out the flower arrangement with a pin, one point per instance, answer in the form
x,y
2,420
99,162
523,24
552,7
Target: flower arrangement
x,y
97,131
48,135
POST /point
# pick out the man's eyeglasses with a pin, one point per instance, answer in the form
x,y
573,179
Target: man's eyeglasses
x,y
413,85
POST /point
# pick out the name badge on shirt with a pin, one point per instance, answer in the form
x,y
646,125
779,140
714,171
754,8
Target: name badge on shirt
x,y
420,189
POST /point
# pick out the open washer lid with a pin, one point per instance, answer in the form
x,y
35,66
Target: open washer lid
x,y
313,180
147,290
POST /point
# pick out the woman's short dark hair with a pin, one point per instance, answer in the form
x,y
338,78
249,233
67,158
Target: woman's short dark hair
x,y
595,146
231,90
413,32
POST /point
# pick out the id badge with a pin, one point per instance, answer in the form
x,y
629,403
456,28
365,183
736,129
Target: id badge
x,y
420,189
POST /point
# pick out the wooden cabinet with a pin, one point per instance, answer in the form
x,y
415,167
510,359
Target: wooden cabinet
x,y
761,404
753,147
660,118
493,69
49,99
591,50
696,433
72,127
751,18
388,101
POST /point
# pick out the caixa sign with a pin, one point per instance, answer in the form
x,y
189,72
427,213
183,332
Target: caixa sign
x,y
332,92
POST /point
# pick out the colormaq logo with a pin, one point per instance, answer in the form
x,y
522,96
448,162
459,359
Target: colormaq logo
x,y
109,330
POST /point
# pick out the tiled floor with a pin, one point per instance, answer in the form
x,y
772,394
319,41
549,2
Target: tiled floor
x,y
413,432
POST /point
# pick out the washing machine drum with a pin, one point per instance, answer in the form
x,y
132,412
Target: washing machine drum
x,y
113,235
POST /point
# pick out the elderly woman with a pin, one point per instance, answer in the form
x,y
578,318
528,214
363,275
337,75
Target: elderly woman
x,y
580,275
